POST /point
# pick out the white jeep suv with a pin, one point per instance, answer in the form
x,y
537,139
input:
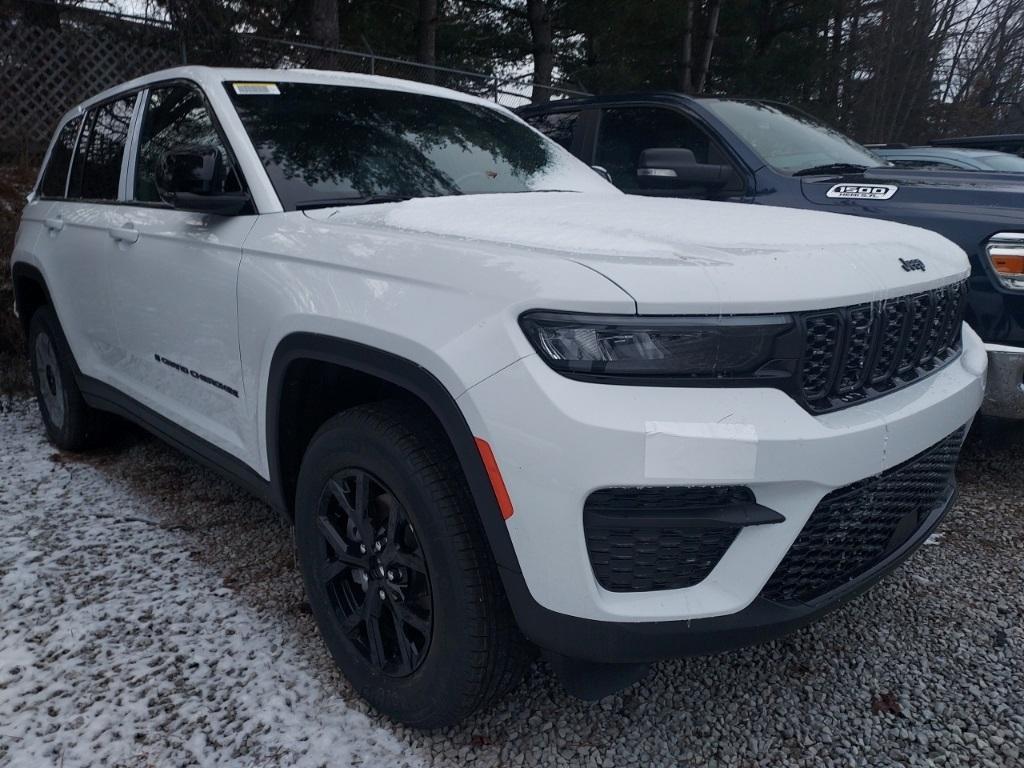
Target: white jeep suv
x,y
505,406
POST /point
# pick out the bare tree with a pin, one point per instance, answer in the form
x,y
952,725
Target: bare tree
x,y
694,69
323,28
710,35
686,49
538,13
426,34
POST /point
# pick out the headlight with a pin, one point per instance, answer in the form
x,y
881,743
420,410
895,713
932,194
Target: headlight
x,y
1006,255
605,346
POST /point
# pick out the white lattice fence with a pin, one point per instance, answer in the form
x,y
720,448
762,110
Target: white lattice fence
x,y
46,70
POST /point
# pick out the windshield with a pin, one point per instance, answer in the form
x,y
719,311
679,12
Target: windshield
x,y
1003,162
336,145
790,141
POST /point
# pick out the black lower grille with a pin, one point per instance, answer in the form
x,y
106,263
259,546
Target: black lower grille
x,y
643,539
860,352
856,527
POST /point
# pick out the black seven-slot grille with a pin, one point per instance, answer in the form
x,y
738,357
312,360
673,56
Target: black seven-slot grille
x,y
860,352
642,539
856,527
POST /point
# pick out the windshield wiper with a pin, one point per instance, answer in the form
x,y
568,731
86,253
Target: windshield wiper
x,y
335,202
831,168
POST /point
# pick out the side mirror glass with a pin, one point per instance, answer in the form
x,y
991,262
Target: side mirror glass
x,y
193,179
674,168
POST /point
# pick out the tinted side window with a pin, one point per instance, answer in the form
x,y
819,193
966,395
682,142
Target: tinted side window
x,y
557,126
176,116
55,178
97,166
628,131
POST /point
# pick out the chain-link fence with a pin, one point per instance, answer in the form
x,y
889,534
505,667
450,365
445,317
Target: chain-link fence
x,y
52,57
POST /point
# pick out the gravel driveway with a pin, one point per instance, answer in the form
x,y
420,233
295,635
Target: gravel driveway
x,y
152,616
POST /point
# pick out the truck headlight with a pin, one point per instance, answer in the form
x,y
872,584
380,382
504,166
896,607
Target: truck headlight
x,y
660,347
1006,255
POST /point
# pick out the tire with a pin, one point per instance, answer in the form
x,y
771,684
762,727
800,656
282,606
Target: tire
x,y
70,424
427,577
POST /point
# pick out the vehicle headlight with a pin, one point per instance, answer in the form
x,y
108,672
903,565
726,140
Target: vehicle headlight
x,y
1006,255
608,346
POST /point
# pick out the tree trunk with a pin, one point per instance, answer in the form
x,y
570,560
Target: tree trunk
x,y
539,15
686,49
835,69
426,33
323,29
709,43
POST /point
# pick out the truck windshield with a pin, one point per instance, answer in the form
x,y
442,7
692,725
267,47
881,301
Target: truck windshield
x,y
790,141
326,145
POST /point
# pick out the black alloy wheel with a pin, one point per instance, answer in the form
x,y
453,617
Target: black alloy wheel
x,y
374,571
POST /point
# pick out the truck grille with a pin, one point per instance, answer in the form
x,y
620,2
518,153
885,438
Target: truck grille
x,y
856,527
864,351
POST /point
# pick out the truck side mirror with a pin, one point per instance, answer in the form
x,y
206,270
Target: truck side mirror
x,y
674,168
193,179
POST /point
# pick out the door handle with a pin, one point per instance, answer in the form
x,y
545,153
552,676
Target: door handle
x,y
55,224
125,234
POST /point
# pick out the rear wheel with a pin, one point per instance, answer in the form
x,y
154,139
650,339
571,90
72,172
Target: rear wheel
x,y
399,577
70,423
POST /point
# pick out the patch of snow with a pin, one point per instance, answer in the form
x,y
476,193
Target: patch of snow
x,y
120,648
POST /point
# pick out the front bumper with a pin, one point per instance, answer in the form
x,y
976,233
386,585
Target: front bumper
x,y
1004,393
640,642
557,440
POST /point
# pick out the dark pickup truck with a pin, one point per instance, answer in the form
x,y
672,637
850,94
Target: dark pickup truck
x,y
668,144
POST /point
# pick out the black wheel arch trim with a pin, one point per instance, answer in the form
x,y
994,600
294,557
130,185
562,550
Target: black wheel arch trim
x,y
22,271
418,381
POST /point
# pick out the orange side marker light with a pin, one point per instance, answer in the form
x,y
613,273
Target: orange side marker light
x,y
1008,263
494,474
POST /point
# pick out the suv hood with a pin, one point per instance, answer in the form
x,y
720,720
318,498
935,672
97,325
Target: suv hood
x,y
683,256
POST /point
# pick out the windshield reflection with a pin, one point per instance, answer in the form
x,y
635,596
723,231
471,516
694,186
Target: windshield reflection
x,y
324,144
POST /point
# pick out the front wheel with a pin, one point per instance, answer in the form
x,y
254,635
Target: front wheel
x,y
399,577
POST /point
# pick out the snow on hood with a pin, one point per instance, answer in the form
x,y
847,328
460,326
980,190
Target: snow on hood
x,y
669,252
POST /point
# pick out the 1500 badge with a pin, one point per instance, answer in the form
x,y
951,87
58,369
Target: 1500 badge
x,y
862,191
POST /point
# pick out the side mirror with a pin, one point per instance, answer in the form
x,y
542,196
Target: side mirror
x,y
602,172
192,179
678,169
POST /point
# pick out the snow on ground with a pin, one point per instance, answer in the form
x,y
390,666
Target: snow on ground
x,y
151,616
119,648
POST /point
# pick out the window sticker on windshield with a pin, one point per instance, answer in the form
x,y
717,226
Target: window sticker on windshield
x,y
256,89
862,191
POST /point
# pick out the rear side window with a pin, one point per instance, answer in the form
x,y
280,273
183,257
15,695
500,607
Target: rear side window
x,y
97,167
176,117
560,127
55,178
